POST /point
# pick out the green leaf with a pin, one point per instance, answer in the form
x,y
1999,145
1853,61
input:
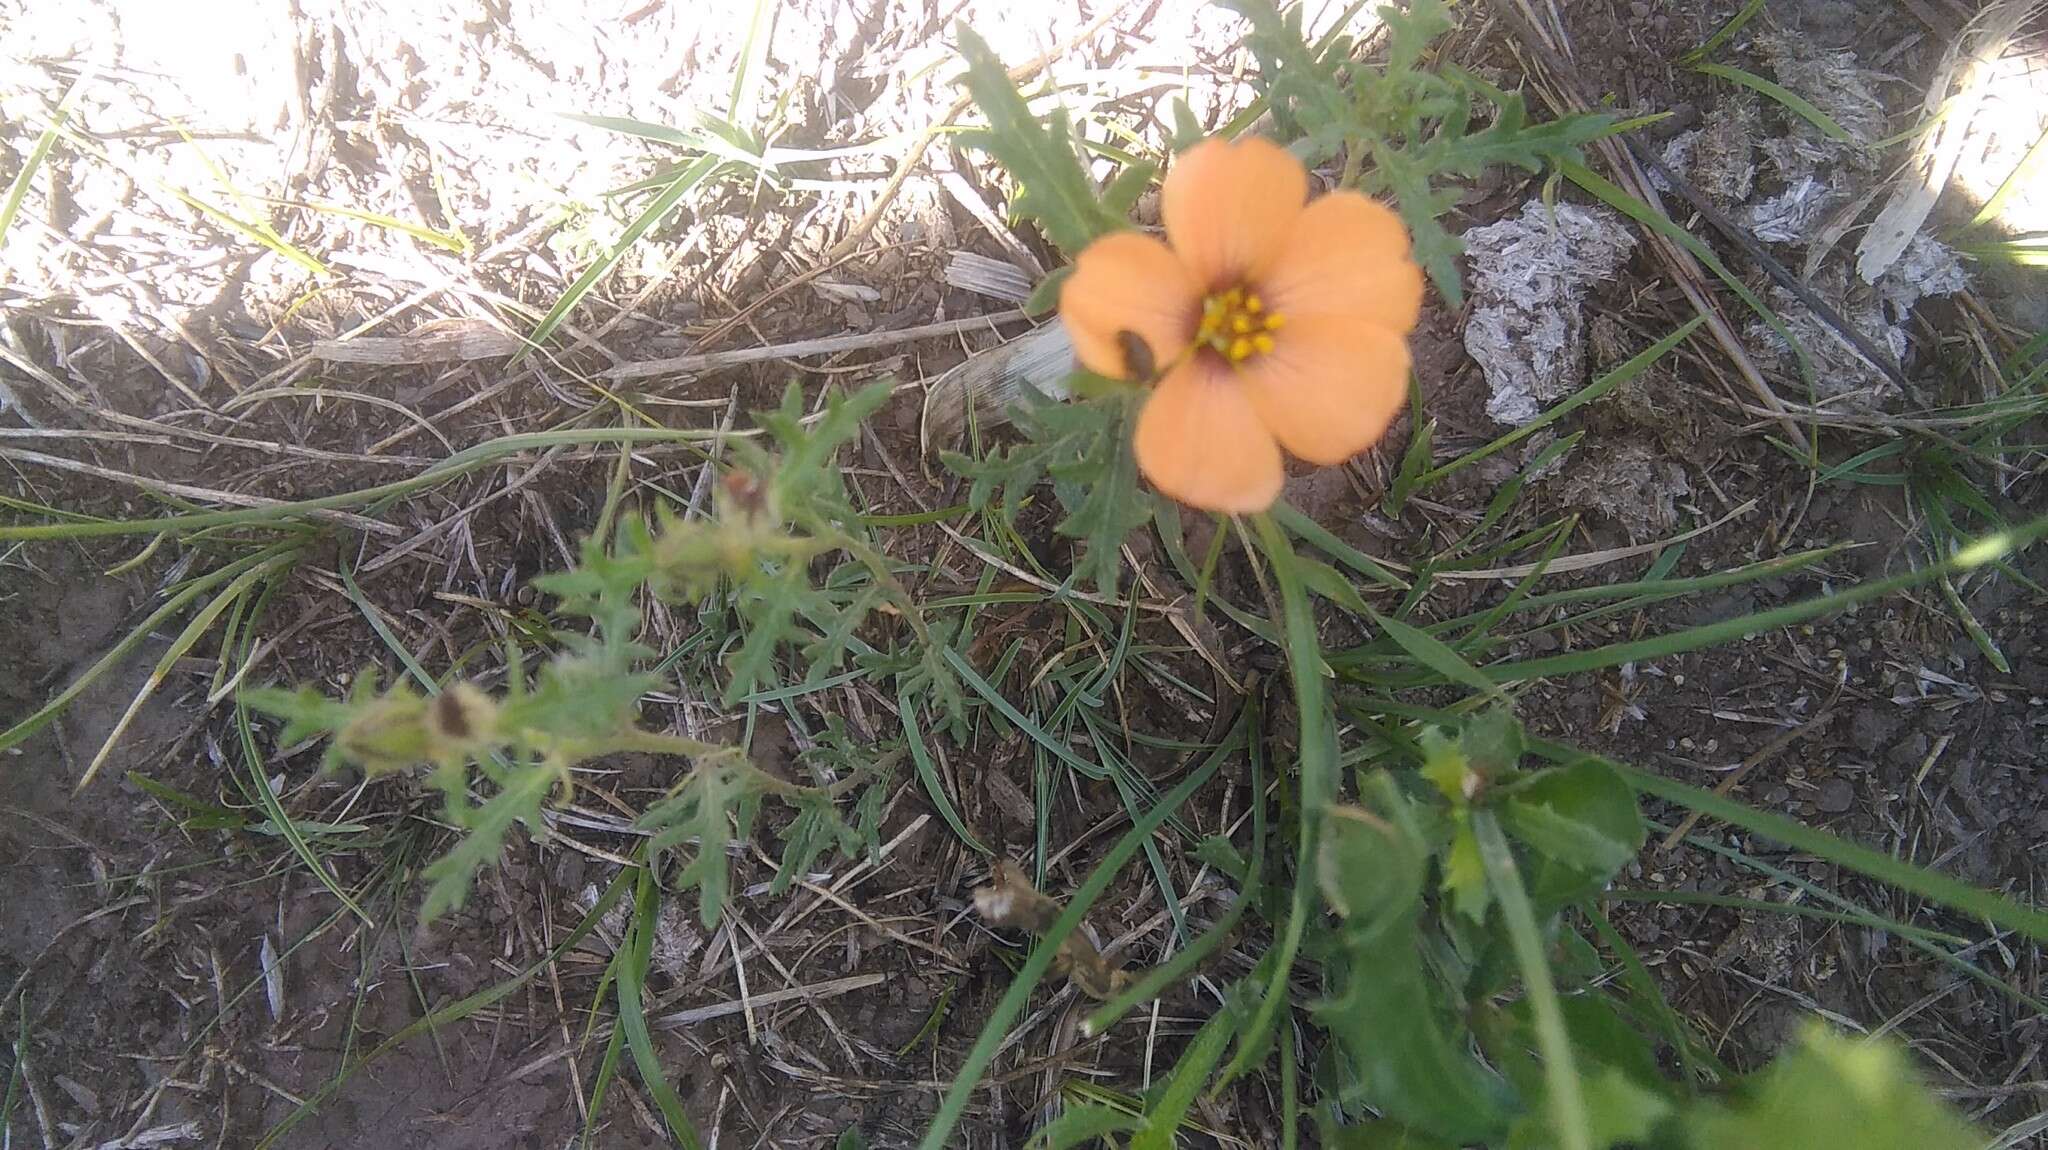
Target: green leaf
x,y
1112,506
1052,186
1383,1136
1085,449
1122,193
1084,1126
1792,101
1619,1110
816,829
1444,764
1299,86
1833,1091
1582,816
485,829
1493,743
1465,872
1403,1053
1046,296
632,974
699,810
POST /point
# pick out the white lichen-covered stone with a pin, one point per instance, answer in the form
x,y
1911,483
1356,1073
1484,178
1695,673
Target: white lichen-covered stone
x,y
1529,277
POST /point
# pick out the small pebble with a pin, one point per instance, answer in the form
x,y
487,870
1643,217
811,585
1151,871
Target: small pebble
x,y
1836,796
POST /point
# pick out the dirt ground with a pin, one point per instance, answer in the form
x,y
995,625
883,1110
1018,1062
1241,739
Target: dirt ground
x,y
148,340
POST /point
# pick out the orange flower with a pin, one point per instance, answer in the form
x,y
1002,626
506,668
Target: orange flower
x,y
1267,323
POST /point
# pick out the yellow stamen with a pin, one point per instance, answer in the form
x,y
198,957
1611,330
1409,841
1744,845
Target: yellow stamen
x,y
1236,325
1275,322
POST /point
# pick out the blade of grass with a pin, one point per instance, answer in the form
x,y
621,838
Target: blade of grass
x,y
1951,959
1592,391
461,463
1851,918
1316,535
1700,1064
1630,596
18,1067
1163,1119
1927,883
1317,780
1635,209
1792,101
201,622
447,241
954,1104
1568,1120
1009,711
1724,33
20,731
928,774
1991,547
38,154
699,170
2023,175
259,784
1154,982
382,627
632,975
753,55
1433,653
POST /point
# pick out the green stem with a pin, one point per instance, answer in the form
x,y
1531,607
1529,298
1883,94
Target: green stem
x,y
1317,785
1560,1073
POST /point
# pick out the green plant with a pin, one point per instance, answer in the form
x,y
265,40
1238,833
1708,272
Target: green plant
x,y
1433,875
775,515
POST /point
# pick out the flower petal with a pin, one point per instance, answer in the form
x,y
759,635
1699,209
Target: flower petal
x,y
1346,255
1329,387
1228,206
1129,282
1199,441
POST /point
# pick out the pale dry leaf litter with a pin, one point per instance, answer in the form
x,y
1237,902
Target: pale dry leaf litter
x,y
1529,276
1720,158
676,937
1941,149
1629,483
1801,191
1881,311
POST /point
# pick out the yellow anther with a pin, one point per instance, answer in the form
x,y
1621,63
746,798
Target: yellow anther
x,y
1236,325
1275,322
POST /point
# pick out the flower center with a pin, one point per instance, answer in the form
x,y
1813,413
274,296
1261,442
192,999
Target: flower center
x,y
1237,324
